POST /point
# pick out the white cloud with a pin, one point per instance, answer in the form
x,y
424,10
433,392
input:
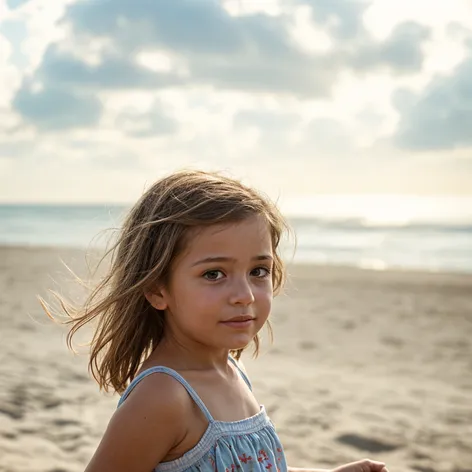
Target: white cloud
x,y
338,83
307,36
382,16
250,7
41,19
156,61
10,77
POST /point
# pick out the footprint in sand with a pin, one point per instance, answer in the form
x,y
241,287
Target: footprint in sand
x,y
65,422
307,345
421,468
366,444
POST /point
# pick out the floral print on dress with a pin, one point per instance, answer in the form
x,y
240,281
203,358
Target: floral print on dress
x,y
241,454
261,460
245,459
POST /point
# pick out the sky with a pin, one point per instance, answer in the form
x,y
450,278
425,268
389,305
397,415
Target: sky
x,y
99,98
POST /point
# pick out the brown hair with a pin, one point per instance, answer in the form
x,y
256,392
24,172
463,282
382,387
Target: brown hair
x,y
153,234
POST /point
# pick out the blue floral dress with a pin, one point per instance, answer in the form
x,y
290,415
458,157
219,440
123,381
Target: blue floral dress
x,y
248,445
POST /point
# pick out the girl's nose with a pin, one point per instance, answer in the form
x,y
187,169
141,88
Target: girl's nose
x,y
241,293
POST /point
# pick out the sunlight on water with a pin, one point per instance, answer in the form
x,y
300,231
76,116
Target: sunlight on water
x,y
383,209
377,232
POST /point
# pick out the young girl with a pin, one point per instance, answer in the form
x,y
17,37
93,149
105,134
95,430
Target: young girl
x,y
190,286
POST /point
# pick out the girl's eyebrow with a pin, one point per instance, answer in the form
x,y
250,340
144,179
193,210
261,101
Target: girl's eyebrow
x,y
262,257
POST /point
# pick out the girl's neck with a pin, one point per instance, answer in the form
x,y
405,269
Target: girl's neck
x,y
180,356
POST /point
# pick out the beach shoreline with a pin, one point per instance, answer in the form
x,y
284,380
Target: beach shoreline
x,y
365,363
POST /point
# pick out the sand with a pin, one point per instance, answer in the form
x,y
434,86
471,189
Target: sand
x,y
364,364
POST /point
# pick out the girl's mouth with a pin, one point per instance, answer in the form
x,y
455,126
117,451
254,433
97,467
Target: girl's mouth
x,y
239,322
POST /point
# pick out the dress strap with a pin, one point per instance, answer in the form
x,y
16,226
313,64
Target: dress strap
x,y
243,375
176,376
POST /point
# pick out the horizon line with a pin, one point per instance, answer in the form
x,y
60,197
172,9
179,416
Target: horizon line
x,y
288,198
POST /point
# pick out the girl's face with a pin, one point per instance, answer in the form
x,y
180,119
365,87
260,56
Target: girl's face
x,y
222,277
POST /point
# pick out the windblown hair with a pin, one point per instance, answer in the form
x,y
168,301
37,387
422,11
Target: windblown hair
x,y
154,233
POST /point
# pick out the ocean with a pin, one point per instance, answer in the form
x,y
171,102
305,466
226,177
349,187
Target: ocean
x,y
376,232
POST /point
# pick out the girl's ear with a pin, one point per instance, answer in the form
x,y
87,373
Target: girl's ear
x,y
156,299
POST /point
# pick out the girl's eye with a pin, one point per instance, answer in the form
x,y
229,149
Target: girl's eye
x,y
260,272
212,274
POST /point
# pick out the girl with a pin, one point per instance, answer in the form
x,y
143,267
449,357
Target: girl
x,y
190,286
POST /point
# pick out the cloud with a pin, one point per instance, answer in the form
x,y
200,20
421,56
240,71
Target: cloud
x,y
441,116
16,148
327,137
272,129
249,53
56,109
119,72
13,4
185,25
342,18
401,51
15,32
284,134
150,124
275,122
252,53
114,72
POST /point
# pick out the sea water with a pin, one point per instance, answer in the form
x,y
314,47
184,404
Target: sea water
x,y
370,231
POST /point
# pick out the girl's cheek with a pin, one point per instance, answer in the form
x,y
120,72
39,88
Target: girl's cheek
x,y
266,292
206,295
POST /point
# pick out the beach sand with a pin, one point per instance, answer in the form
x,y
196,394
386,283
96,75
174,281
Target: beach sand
x,y
364,364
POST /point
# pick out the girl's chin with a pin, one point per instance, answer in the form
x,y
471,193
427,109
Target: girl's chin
x,y
241,343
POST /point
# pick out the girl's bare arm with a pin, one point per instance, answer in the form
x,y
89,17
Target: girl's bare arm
x,y
145,427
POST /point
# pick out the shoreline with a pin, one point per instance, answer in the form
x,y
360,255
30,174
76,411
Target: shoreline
x,y
298,264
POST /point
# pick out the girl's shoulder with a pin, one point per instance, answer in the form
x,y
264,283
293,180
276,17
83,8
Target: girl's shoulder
x,y
156,390
151,380
145,427
158,396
